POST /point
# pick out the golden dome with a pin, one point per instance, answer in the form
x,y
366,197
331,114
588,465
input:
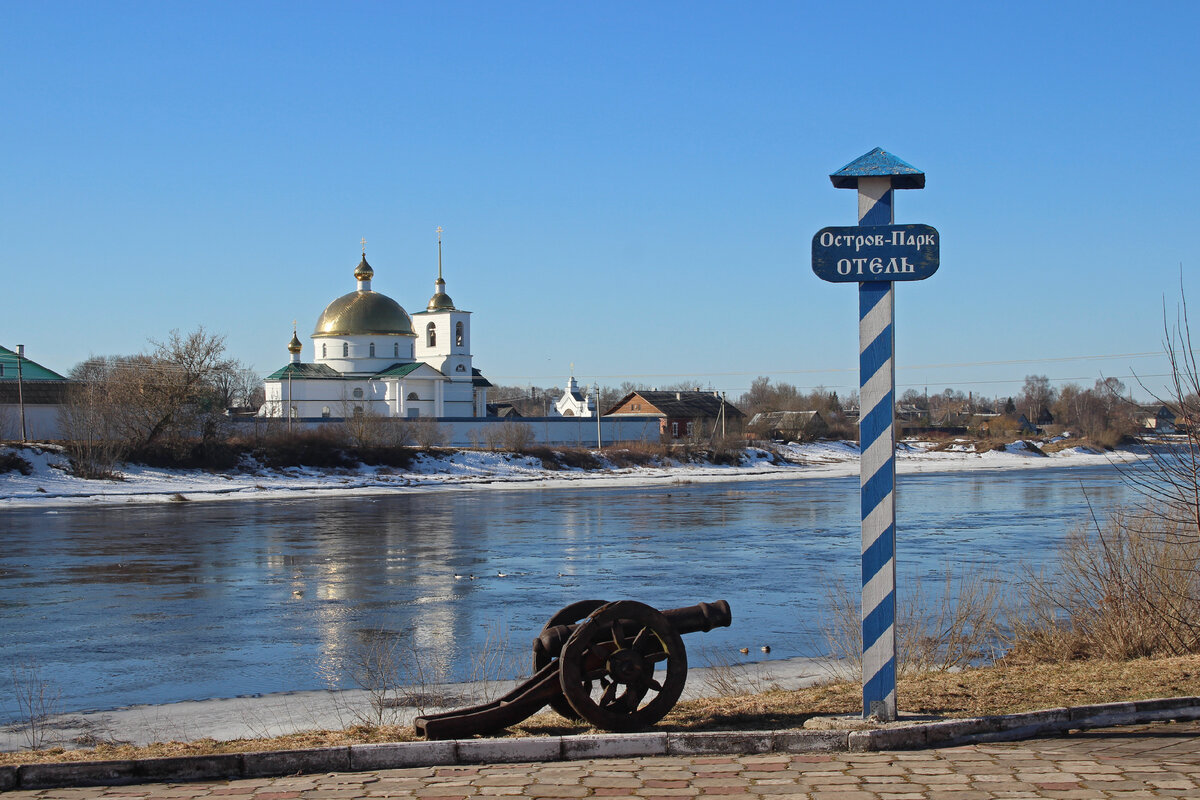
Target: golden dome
x,y
363,271
294,345
363,312
440,301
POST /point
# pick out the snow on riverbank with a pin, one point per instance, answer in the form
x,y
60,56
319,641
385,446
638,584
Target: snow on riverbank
x,y
50,484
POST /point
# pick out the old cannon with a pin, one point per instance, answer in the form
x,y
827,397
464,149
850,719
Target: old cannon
x,y
596,661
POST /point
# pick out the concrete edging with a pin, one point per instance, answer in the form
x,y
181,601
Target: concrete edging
x,y
399,755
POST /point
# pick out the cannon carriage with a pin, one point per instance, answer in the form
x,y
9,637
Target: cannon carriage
x,y
620,666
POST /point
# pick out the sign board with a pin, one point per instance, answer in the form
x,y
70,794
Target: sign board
x,y
876,253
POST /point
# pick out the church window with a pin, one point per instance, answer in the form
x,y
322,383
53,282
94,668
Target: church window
x,y
358,394
568,413
460,368
413,396
358,411
396,349
345,349
325,412
430,335
458,334
324,349
293,412
372,349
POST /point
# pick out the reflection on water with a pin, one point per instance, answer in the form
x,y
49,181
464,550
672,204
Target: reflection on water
x,y
156,604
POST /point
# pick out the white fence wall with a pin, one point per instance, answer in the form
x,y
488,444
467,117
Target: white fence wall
x,y
41,422
473,431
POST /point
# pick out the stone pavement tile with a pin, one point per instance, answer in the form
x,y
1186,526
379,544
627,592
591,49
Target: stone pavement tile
x,y
1007,786
556,790
610,781
501,780
685,791
876,769
773,790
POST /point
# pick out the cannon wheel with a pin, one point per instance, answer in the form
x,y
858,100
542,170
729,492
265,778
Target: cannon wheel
x,y
572,614
607,667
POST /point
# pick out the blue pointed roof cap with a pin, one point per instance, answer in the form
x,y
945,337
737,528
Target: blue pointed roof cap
x,y
879,164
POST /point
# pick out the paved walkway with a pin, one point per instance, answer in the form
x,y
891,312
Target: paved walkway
x,y
1159,760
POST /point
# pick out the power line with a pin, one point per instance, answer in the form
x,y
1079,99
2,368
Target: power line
x,y
854,369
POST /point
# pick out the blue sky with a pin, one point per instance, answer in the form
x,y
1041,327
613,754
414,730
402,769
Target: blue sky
x,y
629,187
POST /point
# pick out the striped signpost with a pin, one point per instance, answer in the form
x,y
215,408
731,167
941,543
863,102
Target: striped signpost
x,y
875,254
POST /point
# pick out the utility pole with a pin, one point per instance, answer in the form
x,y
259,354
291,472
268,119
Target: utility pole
x,y
722,415
21,392
599,442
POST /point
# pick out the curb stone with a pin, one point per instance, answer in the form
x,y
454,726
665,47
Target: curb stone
x,y
398,755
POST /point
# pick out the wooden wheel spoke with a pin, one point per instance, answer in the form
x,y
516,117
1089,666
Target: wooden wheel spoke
x,y
619,638
609,695
644,636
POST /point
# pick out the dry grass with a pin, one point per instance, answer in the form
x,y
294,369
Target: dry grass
x,y
989,690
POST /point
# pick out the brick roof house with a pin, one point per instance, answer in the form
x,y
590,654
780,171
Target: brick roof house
x,y
682,414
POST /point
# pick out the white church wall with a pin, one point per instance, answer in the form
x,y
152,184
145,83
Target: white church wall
x,y
329,351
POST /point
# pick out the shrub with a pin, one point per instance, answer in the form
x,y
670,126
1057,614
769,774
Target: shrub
x,y
955,629
1125,589
516,437
12,462
323,447
400,457
427,432
564,458
636,454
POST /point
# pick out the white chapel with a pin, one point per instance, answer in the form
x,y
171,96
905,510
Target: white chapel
x,y
371,357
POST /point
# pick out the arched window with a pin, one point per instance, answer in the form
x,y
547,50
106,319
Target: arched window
x,y
358,394
460,368
294,415
325,412
358,411
458,334
396,349
430,335
413,396
372,349
324,349
345,349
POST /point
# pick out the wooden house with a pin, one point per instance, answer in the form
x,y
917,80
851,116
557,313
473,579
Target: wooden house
x,y
683,415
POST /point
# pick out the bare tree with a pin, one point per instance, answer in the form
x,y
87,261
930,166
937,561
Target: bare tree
x,y
131,402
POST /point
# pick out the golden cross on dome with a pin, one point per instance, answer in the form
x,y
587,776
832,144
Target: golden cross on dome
x,y
439,232
364,245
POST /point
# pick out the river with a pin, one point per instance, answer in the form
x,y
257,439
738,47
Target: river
x,y
152,604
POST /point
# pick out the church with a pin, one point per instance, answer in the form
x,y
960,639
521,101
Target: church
x,y
371,357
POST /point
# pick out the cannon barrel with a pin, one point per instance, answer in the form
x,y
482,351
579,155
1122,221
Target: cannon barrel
x,y
699,618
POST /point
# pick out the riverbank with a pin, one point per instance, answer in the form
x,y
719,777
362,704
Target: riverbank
x,y
287,713
924,697
49,482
